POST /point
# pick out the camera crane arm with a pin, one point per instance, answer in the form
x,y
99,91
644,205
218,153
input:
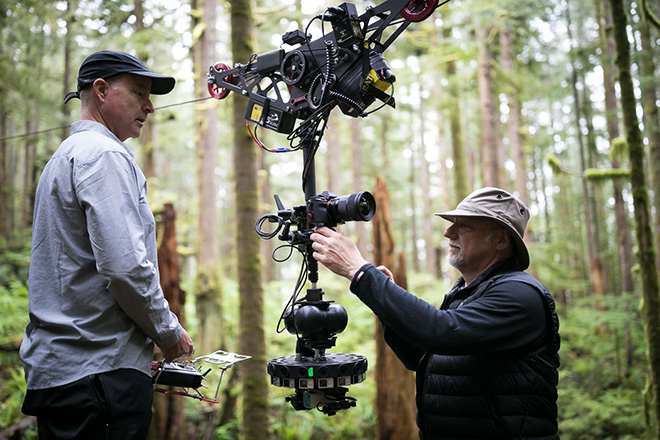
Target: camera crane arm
x,y
344,67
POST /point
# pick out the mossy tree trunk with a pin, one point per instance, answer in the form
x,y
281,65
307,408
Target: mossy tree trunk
x,y
647,256
251,306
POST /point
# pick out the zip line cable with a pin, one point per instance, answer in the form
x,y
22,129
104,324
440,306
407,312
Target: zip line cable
x,y
47,130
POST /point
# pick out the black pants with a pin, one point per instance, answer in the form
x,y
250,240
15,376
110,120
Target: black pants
x,y
115,405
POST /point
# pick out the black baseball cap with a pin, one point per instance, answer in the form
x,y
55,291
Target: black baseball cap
x,y
107,63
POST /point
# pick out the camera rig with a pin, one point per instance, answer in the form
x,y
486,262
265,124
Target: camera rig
x,y
346,68
188,376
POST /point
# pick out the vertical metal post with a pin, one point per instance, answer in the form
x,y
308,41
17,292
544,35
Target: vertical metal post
x,y
309,188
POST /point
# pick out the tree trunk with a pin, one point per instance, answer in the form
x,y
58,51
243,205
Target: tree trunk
x,y
593,260
148,135
356,148
489,145
4,185
29,158
513,123
647,83
395,385
413,218
384,137
624,239
11,179
644,233
267,203
4,167
169,418
208,280
333,163
427,213
66,77
251,306
461,181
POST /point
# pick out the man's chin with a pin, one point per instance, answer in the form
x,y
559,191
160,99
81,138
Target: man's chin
x,y
134,134
456,262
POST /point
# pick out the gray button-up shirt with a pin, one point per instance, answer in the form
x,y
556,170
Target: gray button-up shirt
x,y
96,303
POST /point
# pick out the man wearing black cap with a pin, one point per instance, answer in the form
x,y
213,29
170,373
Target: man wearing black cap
x,y
96,305
487,360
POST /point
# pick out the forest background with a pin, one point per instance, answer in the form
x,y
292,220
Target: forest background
x,y
554,100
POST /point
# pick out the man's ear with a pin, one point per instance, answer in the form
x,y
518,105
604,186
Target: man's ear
x,y
503,239
100,89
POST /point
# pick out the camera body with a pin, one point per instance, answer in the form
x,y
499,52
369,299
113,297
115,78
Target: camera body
x,y
324,209
327,209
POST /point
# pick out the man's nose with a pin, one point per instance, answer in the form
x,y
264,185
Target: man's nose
x,y
149,107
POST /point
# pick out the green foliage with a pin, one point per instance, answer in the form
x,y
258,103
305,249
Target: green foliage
x,y
13,318
603,369
14,260
11,396
619,149
596,175
357,423
13,313
554,163
14,263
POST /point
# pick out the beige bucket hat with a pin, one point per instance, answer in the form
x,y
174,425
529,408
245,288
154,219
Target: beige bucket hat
x,y
503,208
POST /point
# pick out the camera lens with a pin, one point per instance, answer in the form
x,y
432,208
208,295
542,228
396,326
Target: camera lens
x,y
360,206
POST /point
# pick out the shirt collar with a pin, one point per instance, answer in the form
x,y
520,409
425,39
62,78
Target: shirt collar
x,y
87,125
500,266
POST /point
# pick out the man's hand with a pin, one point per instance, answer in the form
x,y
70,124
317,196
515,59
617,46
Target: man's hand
x,y
336,252
183,348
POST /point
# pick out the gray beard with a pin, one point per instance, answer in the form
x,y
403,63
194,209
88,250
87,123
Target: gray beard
x,y
457,260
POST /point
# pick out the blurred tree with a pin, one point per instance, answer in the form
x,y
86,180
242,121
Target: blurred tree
x,y
251,306
490,150
208,277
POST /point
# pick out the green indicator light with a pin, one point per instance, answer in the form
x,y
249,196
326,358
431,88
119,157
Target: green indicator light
x,y
310,372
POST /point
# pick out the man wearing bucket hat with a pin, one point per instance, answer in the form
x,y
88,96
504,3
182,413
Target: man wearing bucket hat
x,y
486,361
96,304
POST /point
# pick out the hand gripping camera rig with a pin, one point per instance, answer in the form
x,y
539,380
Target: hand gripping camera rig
x,y
346,68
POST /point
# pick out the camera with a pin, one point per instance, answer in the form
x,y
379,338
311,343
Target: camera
x,y
326,209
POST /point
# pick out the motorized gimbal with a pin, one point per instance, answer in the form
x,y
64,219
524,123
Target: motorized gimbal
x,y
345,67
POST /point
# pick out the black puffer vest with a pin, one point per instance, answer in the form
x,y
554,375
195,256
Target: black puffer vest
x,y
512,394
